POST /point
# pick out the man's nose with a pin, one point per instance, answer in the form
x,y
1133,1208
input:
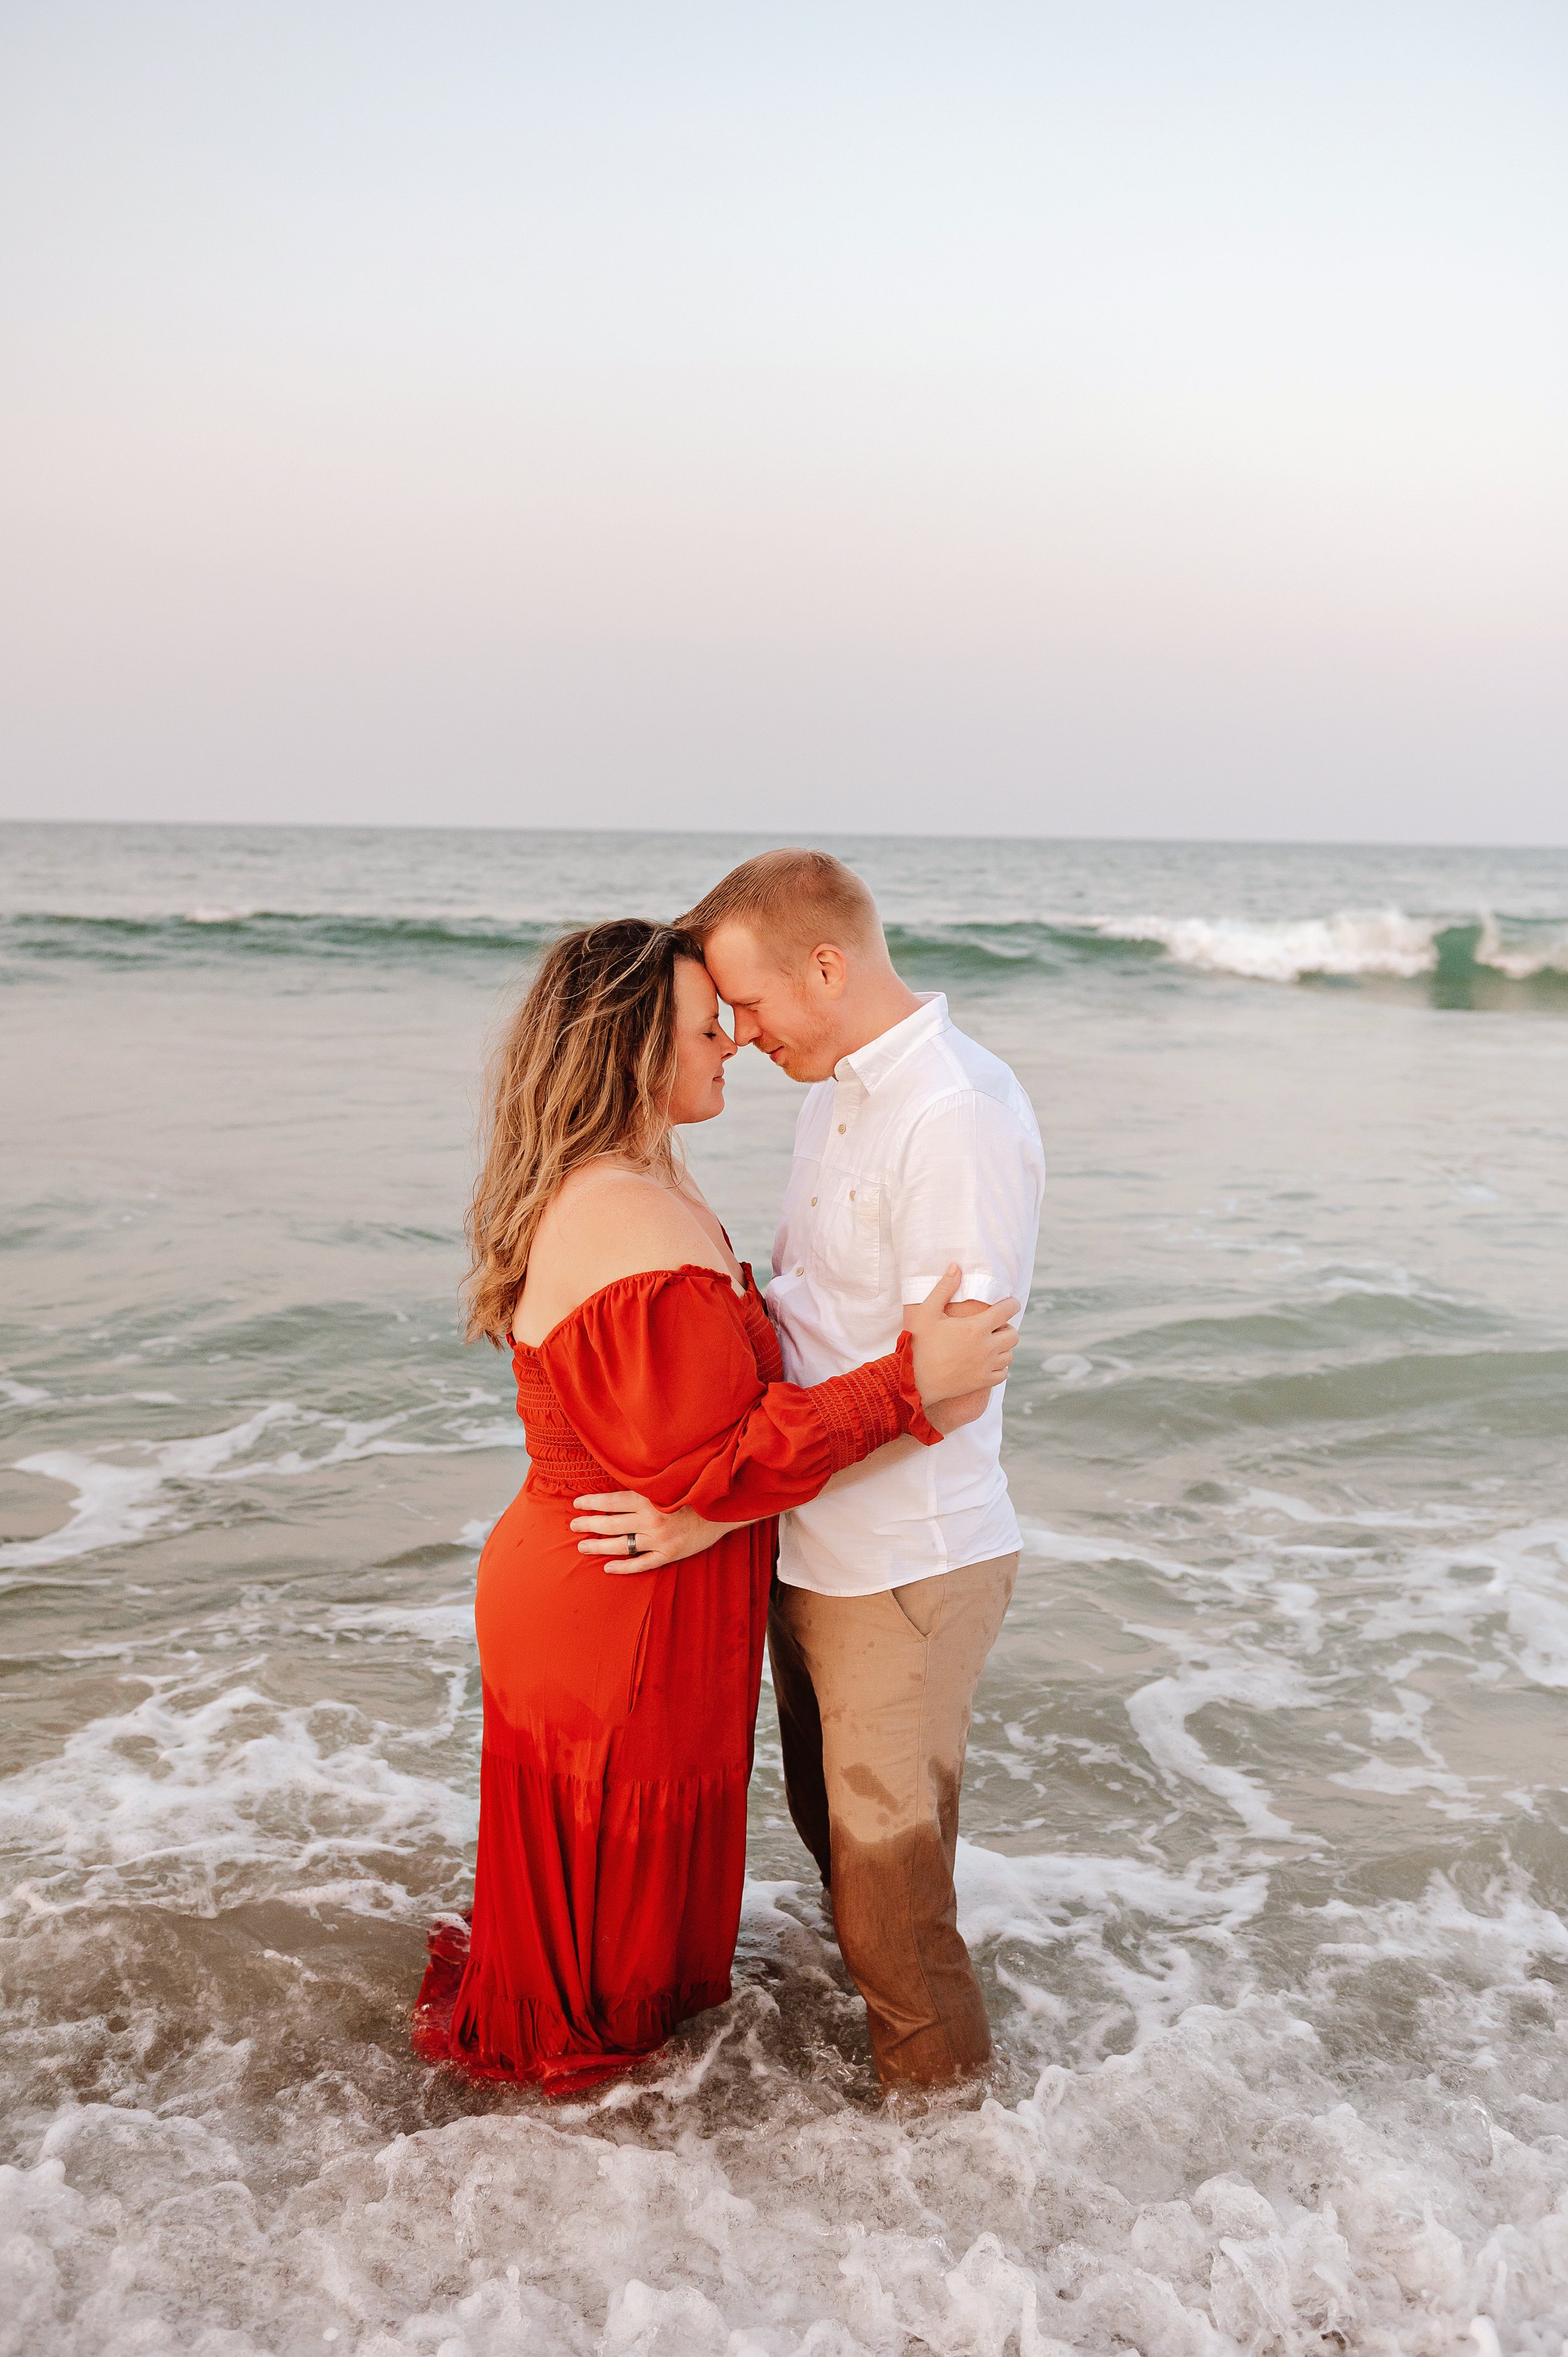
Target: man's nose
x,y
746,1028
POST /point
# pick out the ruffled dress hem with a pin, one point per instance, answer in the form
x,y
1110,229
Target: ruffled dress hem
x,y
494,2035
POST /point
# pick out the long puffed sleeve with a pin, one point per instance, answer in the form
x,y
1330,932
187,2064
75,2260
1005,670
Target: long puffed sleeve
x,y
657,1377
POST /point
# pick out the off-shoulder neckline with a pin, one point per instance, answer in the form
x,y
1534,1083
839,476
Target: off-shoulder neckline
x,y
638,1276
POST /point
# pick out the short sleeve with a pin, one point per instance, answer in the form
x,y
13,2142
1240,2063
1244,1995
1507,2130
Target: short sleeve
x,y
970,1185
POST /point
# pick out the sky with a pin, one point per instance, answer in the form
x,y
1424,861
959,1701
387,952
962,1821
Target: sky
x,y
1125,417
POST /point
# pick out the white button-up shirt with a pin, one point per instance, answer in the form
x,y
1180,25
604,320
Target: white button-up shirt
x,y
921,1149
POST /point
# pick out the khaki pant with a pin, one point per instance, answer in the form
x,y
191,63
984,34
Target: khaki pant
x,y
874,1695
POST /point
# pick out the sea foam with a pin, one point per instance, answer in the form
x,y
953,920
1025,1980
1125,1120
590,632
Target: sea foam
x,y
1223,2186
1348,943
117,1503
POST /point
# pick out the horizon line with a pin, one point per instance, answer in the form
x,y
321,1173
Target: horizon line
x,y
793,837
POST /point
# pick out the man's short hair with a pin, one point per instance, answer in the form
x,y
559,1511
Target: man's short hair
x,y
790,901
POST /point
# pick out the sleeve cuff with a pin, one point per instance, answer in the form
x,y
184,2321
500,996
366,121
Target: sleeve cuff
x,y
980,1283
914,1417
873,1405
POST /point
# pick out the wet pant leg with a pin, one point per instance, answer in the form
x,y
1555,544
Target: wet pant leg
x,y
874,1698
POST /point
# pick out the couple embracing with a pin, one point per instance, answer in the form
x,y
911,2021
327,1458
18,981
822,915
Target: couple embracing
x,y
710,1471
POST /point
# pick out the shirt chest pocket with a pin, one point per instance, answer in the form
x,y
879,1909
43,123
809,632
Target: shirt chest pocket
x,y
852,1253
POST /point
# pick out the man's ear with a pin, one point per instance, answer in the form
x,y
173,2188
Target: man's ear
x,y
831,964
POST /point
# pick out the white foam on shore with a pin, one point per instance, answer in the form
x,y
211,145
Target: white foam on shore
x,y
1218,2189
1291,1607
117,1503
1517,1574
1074,1546
202,1793
1197,2170
446,1625
377,1436
1159,1713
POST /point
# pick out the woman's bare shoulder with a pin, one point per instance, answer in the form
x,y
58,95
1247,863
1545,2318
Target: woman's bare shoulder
x,y
606,1221
608,1211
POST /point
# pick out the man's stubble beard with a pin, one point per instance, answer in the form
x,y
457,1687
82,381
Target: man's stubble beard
x,y
811,1052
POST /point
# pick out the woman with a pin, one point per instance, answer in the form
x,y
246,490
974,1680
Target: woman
x,y
618,1711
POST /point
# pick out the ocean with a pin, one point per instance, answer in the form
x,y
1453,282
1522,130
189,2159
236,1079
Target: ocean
x,y
1265,1845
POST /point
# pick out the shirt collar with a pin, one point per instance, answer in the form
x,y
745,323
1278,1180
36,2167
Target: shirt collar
x,y
871,1065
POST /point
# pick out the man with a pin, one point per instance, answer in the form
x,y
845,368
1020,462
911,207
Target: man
x,y
915,1148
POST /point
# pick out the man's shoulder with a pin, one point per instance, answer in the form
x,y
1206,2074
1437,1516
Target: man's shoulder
x,y
953,1067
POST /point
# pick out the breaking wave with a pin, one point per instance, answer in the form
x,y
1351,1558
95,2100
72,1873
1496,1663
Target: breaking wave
x,y
1378,945
1352,944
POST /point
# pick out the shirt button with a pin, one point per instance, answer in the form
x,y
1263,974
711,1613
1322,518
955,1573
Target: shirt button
x,y
813,1202
852,1194
800,1272
841,1129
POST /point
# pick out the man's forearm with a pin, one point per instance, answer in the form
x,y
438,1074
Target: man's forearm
x,y
949,1413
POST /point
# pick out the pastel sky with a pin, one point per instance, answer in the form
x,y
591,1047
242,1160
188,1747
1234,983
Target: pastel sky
x,y
1118,417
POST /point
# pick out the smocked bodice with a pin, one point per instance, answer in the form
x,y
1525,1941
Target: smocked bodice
x,y
559,1463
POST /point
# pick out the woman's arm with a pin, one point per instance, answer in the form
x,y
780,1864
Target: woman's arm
x,y
959,1361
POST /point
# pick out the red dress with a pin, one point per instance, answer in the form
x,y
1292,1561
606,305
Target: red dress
x,y
620,1707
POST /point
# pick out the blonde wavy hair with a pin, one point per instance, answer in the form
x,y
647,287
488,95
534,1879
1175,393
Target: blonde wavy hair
x,y
584,1067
